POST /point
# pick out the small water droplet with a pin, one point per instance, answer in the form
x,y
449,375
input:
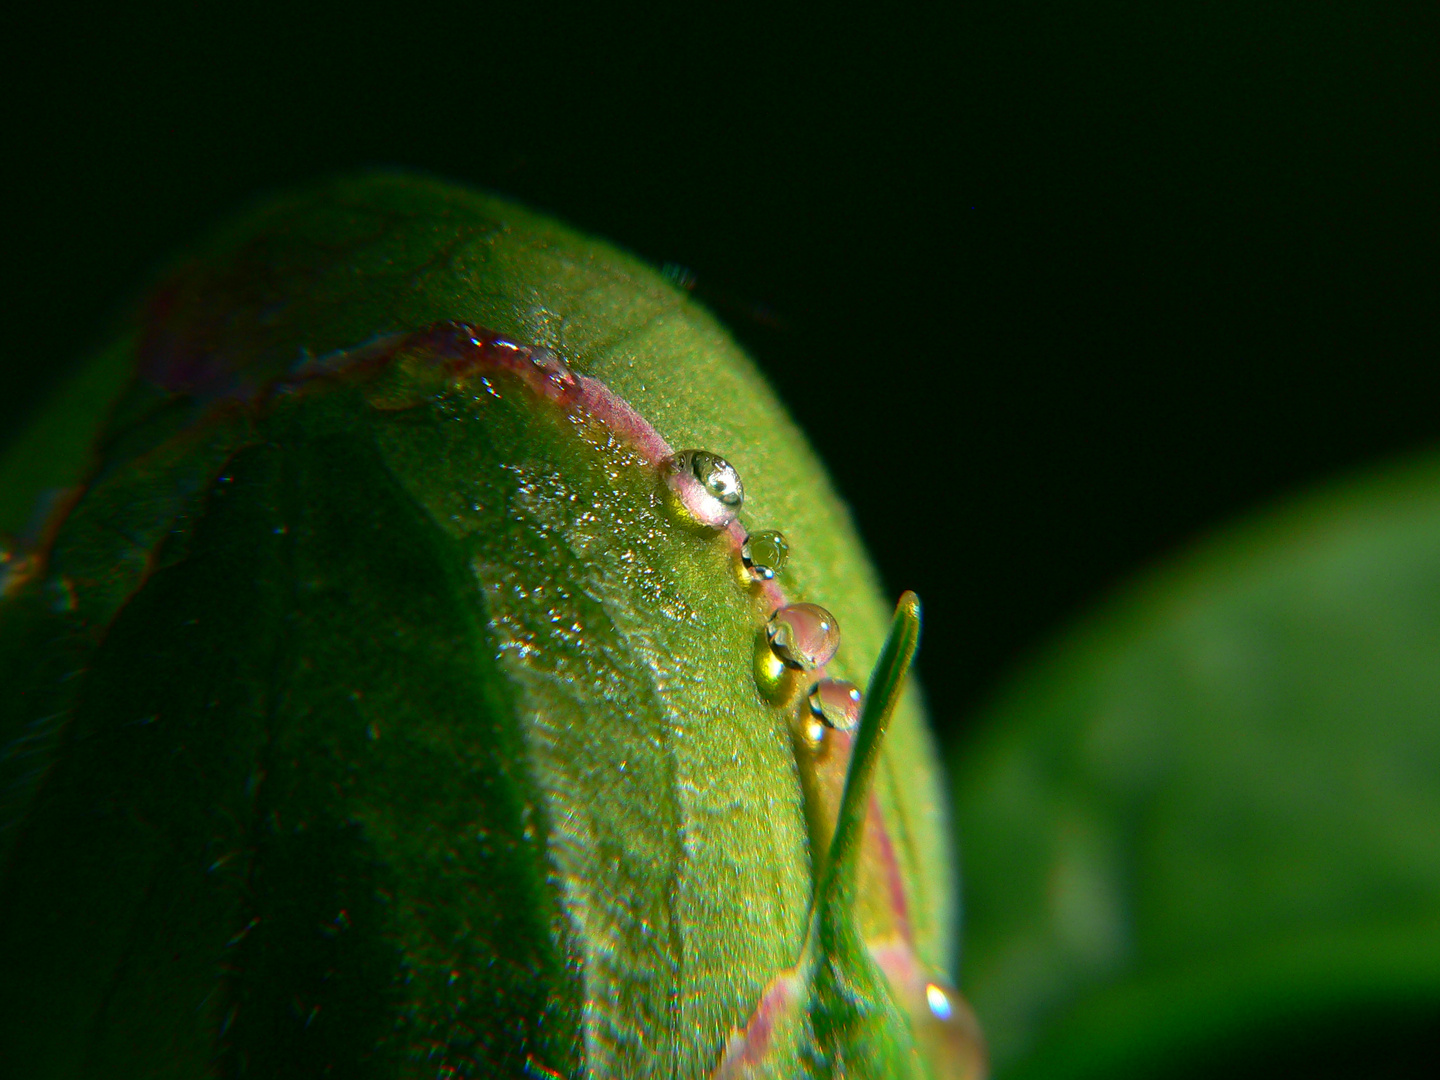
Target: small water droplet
x,y
704,487
765,554
939,1001
950,1035
775,680
804,636
836,703
813,731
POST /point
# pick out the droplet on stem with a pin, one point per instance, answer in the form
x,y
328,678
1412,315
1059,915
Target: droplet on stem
x,y
951,1034
765,554
704,488
939,1001
836,703
812,730
804,636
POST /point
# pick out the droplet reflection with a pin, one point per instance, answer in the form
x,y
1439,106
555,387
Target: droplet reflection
x,y
718,477
836,703
804,636
704,487
813,732
765,554
939,1002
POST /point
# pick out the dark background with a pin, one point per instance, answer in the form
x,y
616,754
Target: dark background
x,y
1054,288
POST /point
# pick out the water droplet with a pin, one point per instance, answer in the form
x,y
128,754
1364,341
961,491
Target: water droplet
x,y
705,487
950,1035
939,1001
836,703
804,636
765,554
718,477
813,731
775,680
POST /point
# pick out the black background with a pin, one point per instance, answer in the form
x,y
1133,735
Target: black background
x,y
1054,288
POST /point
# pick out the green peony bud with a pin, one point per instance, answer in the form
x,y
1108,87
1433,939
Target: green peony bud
x,y
393,693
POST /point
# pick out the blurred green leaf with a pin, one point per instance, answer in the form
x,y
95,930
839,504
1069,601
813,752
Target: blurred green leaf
x,y
1213,811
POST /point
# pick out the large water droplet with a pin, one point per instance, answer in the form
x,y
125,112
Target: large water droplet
x,y
804,636
765,554
718,477
704,487
836,703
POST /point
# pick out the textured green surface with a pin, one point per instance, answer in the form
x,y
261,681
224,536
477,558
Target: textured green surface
x,y
391,727
1217,807
839,1013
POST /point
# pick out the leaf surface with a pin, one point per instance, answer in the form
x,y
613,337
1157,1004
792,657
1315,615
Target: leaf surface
x,y
1216,807
397,725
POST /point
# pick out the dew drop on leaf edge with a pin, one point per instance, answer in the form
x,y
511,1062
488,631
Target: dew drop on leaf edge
x,y
803,636
836,703
765,553
704,487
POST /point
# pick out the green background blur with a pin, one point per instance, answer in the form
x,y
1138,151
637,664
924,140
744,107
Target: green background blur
x,y
1054,288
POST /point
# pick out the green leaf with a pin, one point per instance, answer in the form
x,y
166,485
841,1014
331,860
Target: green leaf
x,y
1214,810
54,451
378,715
